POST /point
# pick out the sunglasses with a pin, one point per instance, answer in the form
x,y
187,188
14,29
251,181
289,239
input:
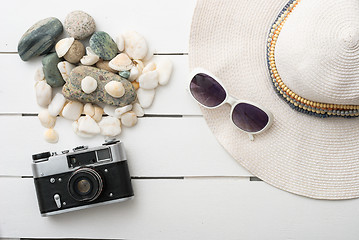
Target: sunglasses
x,y
209,92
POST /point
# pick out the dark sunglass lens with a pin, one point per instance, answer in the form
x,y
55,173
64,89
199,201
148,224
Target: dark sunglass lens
x,y
207,91
249,118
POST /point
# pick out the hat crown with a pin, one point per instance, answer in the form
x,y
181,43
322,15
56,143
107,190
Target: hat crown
x,y
317,52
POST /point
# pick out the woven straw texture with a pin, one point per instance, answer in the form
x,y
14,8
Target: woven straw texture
x,y
305,155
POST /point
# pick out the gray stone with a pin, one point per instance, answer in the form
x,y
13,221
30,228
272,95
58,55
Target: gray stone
x,y
52,74
40,38
72,89
79,24
103,45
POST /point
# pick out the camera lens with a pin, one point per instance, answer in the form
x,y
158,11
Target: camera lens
x,y
85,184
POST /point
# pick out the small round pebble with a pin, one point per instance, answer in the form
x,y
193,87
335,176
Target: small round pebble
x,y
129,119
79,24
88,84
115,89
75,53
51,136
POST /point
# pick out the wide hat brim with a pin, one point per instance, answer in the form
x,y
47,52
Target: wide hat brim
x,y
302,154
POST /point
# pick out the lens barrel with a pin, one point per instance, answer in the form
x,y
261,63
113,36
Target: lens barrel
x,y
85,184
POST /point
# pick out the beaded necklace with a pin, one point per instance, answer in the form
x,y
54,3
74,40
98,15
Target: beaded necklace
x,y
298,103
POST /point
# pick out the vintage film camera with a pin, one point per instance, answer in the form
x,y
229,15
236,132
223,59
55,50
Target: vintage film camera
x,y
81,178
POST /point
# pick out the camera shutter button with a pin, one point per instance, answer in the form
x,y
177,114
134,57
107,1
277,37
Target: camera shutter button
x,y
57,200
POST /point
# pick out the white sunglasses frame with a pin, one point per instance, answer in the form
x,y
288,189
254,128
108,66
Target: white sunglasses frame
x,y
231,101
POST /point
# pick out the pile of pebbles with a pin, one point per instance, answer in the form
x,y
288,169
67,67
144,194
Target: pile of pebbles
x,y
116,77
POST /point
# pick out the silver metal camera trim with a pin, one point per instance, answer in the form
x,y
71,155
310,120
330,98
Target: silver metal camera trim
x,y
57,164
85,206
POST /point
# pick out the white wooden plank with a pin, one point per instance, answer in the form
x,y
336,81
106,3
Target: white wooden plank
x,y
18,95
165,24
184,209
155,146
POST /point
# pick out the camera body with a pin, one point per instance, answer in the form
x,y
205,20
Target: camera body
x,y
81,178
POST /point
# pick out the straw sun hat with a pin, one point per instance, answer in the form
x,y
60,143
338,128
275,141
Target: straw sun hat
x,y
300,60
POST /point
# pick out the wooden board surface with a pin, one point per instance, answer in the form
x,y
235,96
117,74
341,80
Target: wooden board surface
x,y
186,185
209,208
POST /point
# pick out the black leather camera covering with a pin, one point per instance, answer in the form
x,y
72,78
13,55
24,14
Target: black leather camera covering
x,y
116,180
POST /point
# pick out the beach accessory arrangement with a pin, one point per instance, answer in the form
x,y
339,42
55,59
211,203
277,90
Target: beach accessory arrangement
x,y
300,60
117,78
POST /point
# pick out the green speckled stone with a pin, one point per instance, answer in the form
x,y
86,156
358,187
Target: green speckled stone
x,y
52,74
103,45
124,74
72,89
40,38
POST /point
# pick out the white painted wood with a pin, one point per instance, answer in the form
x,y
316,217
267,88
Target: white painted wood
x,y
19,88
155,146
185,209
165,24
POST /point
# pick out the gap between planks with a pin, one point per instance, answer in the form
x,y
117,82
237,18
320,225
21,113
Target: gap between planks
x,y
151,115
250,178
155,54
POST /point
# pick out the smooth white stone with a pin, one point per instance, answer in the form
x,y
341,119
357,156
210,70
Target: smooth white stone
x,y
75,128
121,110
88,84
89,109
139,64
145,97
39,75
98,114
89,52
120,43
149,54
89,60
51,136
46,119
164,68
65,69
56,104
88,125
110,126
148,80
63,46
121,62
72,110
151,66
134,73
129,119
43,93
135,45
115,89
110,110
138,110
